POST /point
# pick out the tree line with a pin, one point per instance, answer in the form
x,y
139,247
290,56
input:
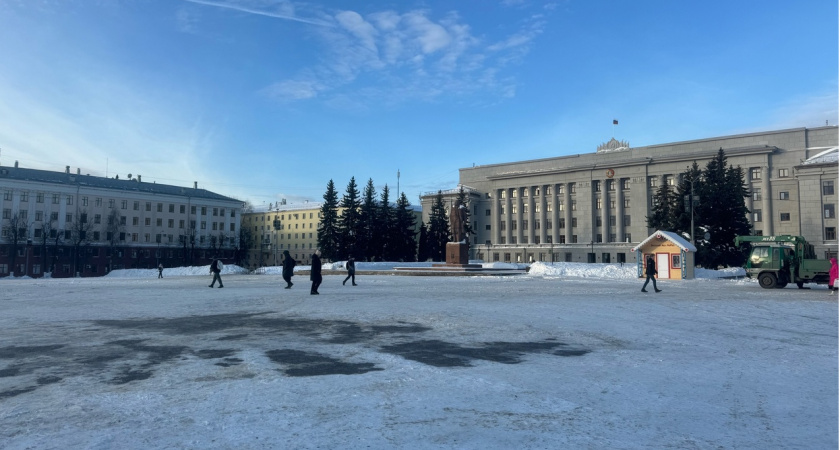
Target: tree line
x,y
718,193
370,226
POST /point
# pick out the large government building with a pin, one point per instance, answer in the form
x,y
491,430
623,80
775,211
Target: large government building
x,y
70,224
594,207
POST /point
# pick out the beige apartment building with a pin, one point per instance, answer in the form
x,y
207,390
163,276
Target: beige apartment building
x,y
282,227
593,207
58,223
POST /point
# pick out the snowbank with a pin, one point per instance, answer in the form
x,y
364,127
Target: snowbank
x,y
537,269
229,269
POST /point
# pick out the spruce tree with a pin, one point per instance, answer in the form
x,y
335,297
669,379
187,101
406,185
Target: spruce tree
x,y
682,211
328,239
365,239
423,244
438,233
404,223
722,213
348,222
386,230
661,217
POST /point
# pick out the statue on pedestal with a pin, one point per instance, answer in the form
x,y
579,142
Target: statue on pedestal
x,y
459,223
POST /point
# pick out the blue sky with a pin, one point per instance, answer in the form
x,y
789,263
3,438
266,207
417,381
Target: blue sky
x,y
268,99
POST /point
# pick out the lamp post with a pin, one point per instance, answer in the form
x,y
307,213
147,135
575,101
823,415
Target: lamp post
x,y
690,199
28,248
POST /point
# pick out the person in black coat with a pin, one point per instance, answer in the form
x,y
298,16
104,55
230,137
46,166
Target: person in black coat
x,y
350,265
288,269
650,271
216,270
315,273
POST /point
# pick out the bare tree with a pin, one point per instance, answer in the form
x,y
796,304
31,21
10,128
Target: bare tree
x,y
44,239
57,240
245,241
114,229
17,233
188,238
80,230
214,244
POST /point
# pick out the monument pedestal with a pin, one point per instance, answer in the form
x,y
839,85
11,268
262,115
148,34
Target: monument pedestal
x,y
457,253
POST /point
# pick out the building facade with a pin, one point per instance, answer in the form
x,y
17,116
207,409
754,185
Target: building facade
x,y
68,224
288,227
594,207
282,227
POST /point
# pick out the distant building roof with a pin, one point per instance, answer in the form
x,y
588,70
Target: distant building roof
x,y
133,185
825,157
671,236
281,208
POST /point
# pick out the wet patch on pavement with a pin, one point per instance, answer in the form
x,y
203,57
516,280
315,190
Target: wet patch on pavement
x,y
306,364
447,354
133,350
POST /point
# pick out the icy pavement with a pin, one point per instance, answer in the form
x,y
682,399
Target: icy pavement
x,y
538,361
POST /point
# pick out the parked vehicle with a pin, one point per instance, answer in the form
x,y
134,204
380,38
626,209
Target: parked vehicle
x,y
779,260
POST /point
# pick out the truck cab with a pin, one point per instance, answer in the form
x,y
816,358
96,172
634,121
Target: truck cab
x,y
778,260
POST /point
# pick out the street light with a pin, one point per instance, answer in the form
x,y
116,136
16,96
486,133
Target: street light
x,y
690,199
28,249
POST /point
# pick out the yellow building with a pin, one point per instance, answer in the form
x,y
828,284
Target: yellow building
x,y
282,227
290,227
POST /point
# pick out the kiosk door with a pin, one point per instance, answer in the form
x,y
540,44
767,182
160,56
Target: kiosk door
x,y
663,265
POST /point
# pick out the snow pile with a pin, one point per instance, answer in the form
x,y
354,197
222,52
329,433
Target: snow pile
x,y
625,271
229,269
584,270
729,272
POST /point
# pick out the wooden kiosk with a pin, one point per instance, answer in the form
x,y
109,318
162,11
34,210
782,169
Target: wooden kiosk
x,y
674,255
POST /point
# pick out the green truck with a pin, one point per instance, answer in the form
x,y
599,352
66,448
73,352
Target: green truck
x,y
778,260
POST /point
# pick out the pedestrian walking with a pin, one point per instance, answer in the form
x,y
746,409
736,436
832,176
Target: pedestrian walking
x,y
832,275
650,271
288,269
350,265
160,270
315,273
216,269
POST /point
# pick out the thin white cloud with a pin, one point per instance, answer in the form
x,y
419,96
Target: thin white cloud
x,y
277,9
397,56
404,56
813,111
293,90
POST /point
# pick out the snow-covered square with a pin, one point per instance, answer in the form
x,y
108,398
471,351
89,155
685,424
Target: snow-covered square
x,y
567,356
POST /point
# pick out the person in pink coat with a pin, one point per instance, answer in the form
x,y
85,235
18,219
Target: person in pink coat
x,y
832,274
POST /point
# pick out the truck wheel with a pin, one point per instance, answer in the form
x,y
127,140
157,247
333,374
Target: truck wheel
x,y
767,280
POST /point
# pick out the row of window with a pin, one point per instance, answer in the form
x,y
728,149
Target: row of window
x,y
97,219
550,208
828,213
599,238
561,223
292,216
84,201
567,257
97,236
653,181
268,227
756,174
